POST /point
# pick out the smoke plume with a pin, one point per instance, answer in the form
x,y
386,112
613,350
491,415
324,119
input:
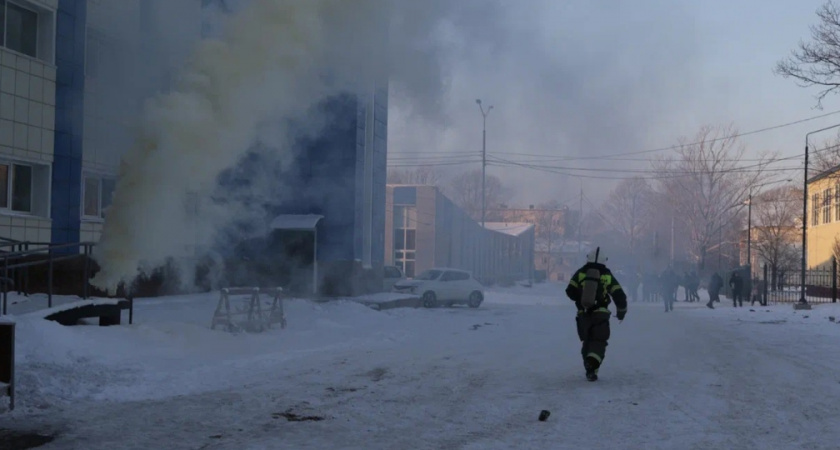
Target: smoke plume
x,y
273,61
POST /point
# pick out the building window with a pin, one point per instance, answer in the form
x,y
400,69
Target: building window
x,y
815,210
20,28
827,206
837,202
21,188
97,193
16,187
405,238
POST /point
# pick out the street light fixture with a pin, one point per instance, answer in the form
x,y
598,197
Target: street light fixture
x,y
802,300
484,114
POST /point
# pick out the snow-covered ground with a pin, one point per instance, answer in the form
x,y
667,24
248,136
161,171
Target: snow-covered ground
x,y
763,377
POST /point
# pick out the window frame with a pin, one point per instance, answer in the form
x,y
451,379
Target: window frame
x,y
815,209
837,202
101,207
404,224
10,187
827,202
5,37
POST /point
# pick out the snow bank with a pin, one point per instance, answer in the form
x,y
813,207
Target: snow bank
x,y
171,350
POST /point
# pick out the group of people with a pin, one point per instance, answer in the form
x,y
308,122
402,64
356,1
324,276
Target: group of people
x,y
664,287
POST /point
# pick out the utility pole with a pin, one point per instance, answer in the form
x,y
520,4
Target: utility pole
x,y
672,240
580,223
749,231
484,115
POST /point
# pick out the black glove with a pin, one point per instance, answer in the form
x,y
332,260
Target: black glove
x,y
621,313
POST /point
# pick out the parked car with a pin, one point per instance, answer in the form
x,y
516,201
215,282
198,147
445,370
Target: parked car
x,y
444,287
390,275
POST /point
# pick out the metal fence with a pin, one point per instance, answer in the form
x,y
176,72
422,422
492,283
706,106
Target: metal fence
x,y
786,287
14,272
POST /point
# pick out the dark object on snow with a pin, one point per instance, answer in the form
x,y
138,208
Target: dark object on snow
x,y
831,318
23,439
7,362
544,415
292,417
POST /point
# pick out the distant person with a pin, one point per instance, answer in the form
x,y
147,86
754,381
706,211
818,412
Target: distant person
x,y
693,286
715,285
669,282
591,288
736,283
758,293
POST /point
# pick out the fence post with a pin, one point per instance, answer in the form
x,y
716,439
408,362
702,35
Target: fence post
x,y
50,277
833,279
765,287
6,285
86,272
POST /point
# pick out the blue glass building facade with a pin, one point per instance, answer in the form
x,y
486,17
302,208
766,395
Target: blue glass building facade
x,y
69,120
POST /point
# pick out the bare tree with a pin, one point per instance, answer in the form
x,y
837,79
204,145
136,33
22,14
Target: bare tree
x,y
465,191
626,210
706,186
423,175
776,236
817,63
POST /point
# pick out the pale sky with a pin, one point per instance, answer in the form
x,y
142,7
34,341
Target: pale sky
x,y
581,77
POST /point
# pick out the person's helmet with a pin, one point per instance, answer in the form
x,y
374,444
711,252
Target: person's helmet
x,y
597,256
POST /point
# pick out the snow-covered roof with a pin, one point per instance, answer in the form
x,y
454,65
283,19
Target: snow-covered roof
x,y
295,221
561,246
46,312
511,228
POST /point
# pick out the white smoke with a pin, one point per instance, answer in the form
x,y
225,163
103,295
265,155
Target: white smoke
x,y
275,60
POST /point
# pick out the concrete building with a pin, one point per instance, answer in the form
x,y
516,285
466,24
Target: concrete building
x,y
32,65
426,229
68,87
823,219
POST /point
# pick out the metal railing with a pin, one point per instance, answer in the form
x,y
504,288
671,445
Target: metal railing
x,y
820,285
14,264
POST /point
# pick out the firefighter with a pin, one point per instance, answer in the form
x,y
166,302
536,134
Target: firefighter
x,y
591,288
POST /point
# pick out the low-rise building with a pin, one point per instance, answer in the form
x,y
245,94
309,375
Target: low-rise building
x,y
425,229
823,220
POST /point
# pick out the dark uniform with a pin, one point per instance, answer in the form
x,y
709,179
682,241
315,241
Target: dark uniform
x,y
715,284
593,325
737,285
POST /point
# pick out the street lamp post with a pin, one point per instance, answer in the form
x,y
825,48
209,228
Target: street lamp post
x,y
802,299
484,115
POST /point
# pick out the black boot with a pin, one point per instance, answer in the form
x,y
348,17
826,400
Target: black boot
x,y
591,365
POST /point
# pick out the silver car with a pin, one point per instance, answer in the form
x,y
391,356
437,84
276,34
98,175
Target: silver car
x,y
443,286
391,275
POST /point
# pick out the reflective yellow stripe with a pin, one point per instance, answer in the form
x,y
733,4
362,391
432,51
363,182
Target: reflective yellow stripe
x,y
596,356
573,283
601,310
614,288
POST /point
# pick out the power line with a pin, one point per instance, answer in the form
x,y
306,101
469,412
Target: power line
x,y
709,141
